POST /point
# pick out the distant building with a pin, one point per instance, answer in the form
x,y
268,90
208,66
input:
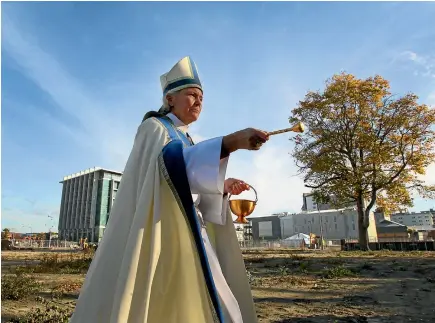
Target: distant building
x,y
425,218
17,236
239,234
380,215
331,224
87,198
309,204
239,231
266,227
432,211
321,219
391,231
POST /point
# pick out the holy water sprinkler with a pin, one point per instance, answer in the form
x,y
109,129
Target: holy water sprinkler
x,y
242,208
299,127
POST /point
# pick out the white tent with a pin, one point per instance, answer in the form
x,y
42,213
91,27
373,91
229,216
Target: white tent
x,y
297,240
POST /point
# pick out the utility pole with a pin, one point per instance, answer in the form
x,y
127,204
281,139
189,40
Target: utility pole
x,y
321,227
49,232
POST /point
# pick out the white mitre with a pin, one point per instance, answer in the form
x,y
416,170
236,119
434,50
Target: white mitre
x,y
183,75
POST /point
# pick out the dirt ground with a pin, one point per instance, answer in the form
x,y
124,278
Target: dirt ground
x,y
296,286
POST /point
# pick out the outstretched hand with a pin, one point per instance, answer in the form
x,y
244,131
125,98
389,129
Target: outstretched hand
x,y
250,139
235,186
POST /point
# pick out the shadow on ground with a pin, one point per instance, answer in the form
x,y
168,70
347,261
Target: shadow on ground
x,y
331,288
346,319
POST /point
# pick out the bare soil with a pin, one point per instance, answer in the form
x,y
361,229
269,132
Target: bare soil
x,y
298,286
321,287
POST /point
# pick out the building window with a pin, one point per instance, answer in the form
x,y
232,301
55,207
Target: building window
x,y
336,226
353,226
335,219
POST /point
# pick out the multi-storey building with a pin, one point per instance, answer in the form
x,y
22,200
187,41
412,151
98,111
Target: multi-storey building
x,y
331,224
414,219
309,204
266,227
87,198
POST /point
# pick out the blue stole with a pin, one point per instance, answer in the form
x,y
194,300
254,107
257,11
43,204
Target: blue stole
x,y
175,165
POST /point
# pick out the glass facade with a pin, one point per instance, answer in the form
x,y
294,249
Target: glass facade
x,y
103,202
87,199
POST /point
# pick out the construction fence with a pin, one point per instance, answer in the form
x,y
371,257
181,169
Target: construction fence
x,y
294,244
398,244
27,244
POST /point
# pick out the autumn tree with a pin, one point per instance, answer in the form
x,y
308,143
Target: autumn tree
x,y
5,233
364,145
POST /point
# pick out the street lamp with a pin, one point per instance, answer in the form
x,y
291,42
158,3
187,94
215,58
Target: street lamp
x,y
49,231
321,227
52,219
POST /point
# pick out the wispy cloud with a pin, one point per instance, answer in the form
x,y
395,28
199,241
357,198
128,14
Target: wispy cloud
x,y
231,63
33,214
429,177
423,65
40,116
271,171
370,43
431,99
99,128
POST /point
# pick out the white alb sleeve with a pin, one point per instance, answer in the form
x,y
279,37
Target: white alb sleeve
x,y
206,174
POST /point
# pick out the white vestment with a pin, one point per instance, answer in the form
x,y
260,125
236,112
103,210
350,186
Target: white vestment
x,y
156,263
206,174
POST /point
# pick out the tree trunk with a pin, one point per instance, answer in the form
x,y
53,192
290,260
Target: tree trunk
x,y
363,236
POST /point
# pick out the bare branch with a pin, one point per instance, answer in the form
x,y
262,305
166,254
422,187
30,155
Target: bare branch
x,y
324,182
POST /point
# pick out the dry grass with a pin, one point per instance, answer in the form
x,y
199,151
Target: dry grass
x,y
288,286
329,287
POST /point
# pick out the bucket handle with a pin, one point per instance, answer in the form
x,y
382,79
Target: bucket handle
x,y
256,195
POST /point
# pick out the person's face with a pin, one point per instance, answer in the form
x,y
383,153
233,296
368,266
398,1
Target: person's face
x,y
186,104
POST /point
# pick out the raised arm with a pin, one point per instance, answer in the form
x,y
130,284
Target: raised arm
x,y
206,165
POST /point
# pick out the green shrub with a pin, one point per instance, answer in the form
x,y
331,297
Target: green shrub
x,y
18,286
51,313
53,264
337,272
65,288
304,267
283,270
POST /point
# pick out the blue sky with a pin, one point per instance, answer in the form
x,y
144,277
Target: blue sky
x,y
78,77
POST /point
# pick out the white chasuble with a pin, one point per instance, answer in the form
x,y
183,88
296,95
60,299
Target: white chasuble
x,y
160,260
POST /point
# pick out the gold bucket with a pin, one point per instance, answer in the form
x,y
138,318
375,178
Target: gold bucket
x,y
243,208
